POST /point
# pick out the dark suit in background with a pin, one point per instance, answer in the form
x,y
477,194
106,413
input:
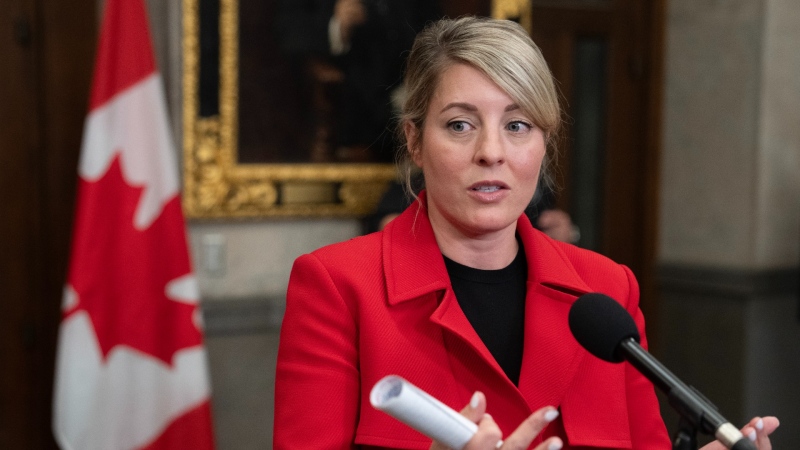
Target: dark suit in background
x,y
372,68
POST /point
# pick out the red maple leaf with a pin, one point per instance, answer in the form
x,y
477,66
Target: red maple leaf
x,y
120,273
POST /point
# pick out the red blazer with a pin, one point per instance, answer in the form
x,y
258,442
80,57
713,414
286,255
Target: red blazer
x,y
382,304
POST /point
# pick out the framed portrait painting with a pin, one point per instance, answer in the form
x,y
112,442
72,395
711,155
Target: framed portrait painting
x,y
278,122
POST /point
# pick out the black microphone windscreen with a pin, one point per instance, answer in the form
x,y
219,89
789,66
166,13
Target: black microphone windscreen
x,y
599,324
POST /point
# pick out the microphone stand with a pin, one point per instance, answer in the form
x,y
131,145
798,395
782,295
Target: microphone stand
x,y
697,413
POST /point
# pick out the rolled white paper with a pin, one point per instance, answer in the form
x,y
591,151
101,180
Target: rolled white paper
x,y
419,410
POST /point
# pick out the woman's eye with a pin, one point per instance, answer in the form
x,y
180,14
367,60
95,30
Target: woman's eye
x,y
518,126
459,126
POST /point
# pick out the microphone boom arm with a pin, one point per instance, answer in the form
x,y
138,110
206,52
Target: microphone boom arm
x,y
693,407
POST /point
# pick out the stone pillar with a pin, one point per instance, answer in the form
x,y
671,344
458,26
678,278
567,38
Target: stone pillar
x,y
729,246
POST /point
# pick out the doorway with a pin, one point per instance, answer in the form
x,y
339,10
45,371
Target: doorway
x,y
606,57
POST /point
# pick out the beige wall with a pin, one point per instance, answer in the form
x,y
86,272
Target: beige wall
x,y
257,255
730,193
777,209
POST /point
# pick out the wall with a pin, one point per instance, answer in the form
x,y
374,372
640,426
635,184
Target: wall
x,y
730,206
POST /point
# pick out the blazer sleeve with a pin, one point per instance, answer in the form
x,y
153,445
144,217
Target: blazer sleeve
x,y
317,375
646,425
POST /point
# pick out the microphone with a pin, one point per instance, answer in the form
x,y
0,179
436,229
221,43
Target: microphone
x,y
604,328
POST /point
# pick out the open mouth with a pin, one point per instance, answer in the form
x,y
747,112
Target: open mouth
x,y
487,188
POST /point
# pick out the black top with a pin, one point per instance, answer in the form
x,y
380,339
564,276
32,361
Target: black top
x,y
494,303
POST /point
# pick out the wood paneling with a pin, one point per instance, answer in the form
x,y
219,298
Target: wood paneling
x,y
44,89
633,33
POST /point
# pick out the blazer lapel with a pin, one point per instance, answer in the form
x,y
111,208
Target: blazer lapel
x,y
551,355
412,261
552,358
450,316
415,269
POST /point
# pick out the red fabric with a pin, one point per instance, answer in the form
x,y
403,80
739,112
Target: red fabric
x,y
124,56
190,430
382,304
130,367
120,272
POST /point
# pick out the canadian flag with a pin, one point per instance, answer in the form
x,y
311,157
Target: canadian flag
x,y
131,369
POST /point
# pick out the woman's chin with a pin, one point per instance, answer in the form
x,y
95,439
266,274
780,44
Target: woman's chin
x,y
481,226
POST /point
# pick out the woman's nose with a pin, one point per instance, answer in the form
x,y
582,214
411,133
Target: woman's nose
x,y
489,149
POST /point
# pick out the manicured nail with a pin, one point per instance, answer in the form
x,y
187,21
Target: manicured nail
x,y
551,416
752,435
760,424
473,402
555,445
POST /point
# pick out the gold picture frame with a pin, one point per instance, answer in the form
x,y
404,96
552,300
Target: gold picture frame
x,y
217,185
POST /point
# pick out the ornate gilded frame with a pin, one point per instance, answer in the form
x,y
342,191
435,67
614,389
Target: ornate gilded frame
x,y
216,185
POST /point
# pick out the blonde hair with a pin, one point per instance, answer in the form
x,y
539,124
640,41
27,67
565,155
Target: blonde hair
x,y
503,51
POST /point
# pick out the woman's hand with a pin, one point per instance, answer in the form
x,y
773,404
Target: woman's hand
x,y
489,436
757,430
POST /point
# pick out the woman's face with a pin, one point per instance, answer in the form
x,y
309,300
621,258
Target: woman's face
x,y
479,153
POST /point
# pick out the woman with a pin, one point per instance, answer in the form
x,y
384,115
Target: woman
x,y
460,294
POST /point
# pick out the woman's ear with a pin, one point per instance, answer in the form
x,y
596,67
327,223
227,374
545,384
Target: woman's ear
x,y
412,142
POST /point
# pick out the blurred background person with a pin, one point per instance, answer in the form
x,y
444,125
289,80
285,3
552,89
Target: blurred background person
x,y
355,50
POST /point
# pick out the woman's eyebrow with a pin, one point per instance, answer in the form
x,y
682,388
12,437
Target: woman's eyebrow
x,y
471,107
466,106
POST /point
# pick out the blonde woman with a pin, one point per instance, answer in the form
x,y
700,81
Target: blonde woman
x,y
460,295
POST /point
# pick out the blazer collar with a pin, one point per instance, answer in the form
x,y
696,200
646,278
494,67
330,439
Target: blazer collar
x,y
412,261
415,271
414,265
551,355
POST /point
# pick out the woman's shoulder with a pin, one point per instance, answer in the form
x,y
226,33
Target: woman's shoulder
x,y
364,249
599,272
584,257
363,243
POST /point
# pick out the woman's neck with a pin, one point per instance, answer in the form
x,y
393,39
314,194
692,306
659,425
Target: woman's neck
x,y
488,251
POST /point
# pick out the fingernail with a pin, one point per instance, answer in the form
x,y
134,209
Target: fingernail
x,y
555,445
551,416
760,424
752,435
473,402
